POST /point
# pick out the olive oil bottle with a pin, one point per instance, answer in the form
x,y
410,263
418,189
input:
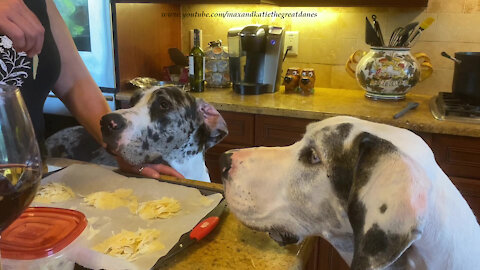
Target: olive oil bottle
x,y
196,67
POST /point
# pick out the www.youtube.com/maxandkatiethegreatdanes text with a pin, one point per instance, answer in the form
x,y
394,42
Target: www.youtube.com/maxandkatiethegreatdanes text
x,y
252,14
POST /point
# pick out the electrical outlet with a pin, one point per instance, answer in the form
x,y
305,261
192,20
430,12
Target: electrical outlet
x,y
191,38
291,39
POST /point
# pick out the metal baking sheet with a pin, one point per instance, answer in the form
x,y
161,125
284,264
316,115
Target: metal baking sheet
x,y
86,179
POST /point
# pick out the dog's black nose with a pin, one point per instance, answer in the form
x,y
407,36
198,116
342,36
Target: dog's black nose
x,y
112,123
287,79
225,164
305,80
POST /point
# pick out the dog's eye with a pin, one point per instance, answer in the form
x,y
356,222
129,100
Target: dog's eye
x,y
314,159
309,156
164,105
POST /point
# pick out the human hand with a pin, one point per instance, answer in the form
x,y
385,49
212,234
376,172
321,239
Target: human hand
x,y
21,26
148,170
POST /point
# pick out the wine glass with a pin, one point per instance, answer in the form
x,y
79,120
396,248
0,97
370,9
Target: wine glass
x,y
20,160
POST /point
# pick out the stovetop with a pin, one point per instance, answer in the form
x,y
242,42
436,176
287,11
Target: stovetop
x,y
445,106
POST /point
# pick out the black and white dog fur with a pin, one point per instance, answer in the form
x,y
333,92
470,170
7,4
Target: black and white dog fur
x,y
374,191
165,125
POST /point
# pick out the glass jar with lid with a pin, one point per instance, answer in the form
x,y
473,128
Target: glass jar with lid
x,y
216,65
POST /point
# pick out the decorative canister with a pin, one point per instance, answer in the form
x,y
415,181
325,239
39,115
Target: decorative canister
x,y
307,81
291,79
216,65
388,73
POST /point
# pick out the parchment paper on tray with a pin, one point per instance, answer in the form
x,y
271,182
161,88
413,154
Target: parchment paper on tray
x,y
86,179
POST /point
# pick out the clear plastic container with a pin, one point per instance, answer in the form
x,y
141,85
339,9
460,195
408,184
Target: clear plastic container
x,y
216,65
42,238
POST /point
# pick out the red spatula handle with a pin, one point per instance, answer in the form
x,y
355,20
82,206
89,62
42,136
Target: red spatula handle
x,y
203,228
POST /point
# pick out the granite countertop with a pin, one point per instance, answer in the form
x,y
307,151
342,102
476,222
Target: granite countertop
x,y
327,102
234,246
231,245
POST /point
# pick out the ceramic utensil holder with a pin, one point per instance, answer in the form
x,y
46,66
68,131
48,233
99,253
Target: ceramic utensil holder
x,y
388,73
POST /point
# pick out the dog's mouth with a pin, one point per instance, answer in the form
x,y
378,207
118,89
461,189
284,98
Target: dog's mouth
x,y
282,236
112,147
121,151
110,151
277,233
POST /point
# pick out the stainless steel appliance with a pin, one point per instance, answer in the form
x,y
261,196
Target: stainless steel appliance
x,y
447,106
255,58
91,25
463,103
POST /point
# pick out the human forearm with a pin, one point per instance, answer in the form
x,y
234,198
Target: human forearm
x,y
87,104
75,87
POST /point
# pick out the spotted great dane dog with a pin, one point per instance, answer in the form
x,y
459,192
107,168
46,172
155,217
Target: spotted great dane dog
x,y
372,190
165,125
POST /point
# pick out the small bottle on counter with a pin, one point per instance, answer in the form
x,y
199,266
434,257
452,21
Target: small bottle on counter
x,y
216,65
196,67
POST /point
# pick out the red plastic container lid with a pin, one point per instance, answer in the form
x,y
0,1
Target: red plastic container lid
x,y
40,232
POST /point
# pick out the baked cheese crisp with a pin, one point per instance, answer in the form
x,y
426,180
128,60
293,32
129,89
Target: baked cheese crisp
x,y
53,192
129,245
163,208
206,201
111,200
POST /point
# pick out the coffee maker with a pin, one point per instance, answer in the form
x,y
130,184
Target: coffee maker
x,y
255,58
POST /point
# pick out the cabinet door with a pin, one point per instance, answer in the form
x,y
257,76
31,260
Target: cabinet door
x,y
212,160
458,156
325,257
427,137
470,190
240,135
240,128
142,44
278,131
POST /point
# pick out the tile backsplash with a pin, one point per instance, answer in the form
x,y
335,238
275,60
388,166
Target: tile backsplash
x,y
327,40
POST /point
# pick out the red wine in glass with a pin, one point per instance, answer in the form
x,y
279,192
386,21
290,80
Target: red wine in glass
x,y
20,161
18,186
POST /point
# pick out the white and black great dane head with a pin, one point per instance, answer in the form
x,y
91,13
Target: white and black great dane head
x,y
342,181
164,125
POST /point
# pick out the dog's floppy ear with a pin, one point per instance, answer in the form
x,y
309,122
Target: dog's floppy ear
x,y
214,123
137,95
386,204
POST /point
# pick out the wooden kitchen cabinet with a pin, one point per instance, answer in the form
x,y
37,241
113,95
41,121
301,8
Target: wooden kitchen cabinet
x,y
248,130
212,159
240,128
470,189
278,131
240,135
458,156
325,257
141,44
